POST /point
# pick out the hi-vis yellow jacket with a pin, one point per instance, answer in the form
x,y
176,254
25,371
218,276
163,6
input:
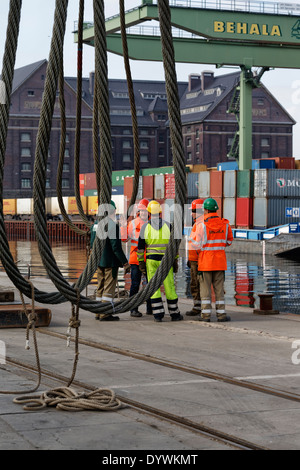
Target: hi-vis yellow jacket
x,y
154,239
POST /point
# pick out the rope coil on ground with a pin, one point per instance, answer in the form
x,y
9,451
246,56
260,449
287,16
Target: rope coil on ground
x,y
67,399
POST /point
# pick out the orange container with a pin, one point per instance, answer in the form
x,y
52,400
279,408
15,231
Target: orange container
x,y
216,183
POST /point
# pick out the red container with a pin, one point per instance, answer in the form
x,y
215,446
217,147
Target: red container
x,y
90,181
128,187
81,184
170,186
148,185
285,163
219,201
216,183
244,212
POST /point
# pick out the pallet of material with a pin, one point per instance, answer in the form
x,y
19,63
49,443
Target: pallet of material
x,y
13,316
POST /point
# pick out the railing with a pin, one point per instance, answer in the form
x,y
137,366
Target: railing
x,y
254,6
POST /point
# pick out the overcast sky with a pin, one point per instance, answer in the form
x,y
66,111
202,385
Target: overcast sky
x,y
35,38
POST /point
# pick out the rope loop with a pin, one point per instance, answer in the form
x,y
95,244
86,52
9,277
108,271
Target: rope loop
x,y
67,399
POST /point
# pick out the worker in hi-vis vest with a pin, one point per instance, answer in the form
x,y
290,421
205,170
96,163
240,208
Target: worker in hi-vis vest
x,y
153,240
131,232
213,235
197,215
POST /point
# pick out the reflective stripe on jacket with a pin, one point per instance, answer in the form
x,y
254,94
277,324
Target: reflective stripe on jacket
x,y
193,248
154,239
213,235
132,233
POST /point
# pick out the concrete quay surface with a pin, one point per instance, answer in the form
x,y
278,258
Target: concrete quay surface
x,y
254,348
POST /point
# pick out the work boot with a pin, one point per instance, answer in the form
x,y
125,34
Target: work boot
x,y
158,319
224,319
176,317
110,318
135,313
192,313
204,320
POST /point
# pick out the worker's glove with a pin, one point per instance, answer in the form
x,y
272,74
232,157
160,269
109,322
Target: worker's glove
x,y
142,267
127,268
175,266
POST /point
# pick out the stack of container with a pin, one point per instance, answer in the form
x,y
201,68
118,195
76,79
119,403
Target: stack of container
x,y
276,197
244,199
229,196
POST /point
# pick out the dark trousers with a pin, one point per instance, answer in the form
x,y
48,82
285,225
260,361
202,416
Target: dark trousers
x,y
136,277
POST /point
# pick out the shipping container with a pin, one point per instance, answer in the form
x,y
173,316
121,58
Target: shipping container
x,y
224,166
72,205
92,205
229,210
148,187
9,206
118,177
204,184
128,187
271,212
170,186
219,201
159,187
216,183
285,163
81,184
193,185
52,205
90,181
245,183
277,183
158,171
25,206
244,212
229,183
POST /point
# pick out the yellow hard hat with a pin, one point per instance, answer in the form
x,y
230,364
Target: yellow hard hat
x,y
154,207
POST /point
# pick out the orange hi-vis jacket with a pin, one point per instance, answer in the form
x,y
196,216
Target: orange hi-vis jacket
x,y
212,237
193,252
132,233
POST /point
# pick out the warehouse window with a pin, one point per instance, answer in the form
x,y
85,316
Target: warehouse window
x,y
25,166
25,183
25,152
265,142
66,167
25,137
126,158
65,183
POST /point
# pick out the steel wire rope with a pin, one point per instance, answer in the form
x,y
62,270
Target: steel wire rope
x,y
78,115
8,64
136,144
105,153
60,166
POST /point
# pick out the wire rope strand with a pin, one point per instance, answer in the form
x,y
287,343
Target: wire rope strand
x,y
135,131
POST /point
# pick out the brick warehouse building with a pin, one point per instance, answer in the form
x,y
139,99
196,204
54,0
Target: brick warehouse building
x,y
208,129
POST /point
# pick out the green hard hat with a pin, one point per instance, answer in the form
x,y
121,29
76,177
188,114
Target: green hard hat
x,y
210,204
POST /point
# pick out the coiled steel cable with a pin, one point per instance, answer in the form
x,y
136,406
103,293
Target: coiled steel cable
x,y
64,288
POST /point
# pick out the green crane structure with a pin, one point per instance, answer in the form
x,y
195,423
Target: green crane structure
x,y
220,32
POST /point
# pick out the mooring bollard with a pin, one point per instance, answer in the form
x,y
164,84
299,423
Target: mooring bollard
x,y
266,306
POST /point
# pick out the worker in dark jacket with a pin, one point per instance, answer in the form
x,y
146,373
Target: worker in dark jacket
x,y
111,260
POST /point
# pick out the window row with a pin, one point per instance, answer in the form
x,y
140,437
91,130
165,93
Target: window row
x,y
26,183
27,167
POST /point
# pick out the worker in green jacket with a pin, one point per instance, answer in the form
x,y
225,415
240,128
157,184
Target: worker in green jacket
x,y
112,259
154,238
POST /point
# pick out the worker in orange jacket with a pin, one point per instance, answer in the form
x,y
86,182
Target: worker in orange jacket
x,y
197,215
213,236
131,231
